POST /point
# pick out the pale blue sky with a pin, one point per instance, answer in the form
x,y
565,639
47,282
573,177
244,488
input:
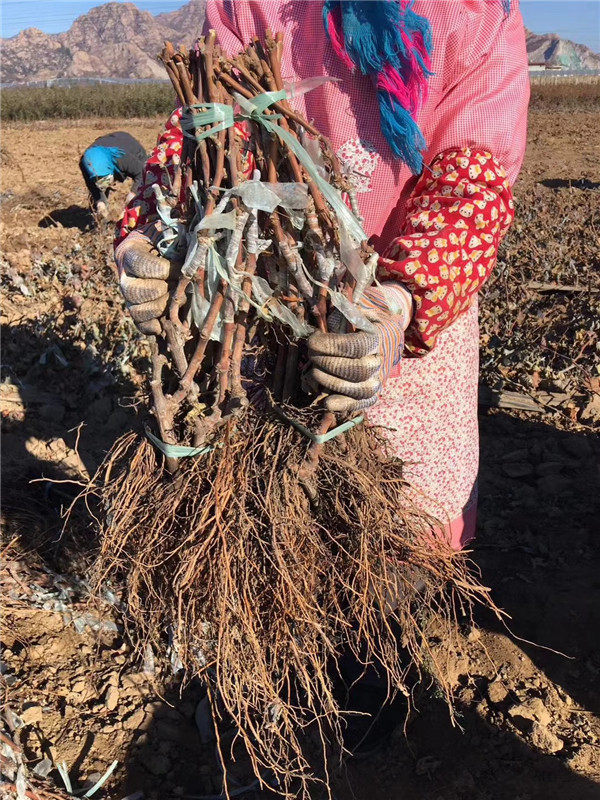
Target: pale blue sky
x,y
574,19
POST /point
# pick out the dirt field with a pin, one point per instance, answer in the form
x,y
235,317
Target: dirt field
x,y
528,702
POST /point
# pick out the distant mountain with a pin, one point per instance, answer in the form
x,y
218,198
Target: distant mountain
x,y
185,20
552,51
117,40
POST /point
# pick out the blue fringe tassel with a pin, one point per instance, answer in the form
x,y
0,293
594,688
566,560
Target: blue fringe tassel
x,y
371,31
402,132
372,40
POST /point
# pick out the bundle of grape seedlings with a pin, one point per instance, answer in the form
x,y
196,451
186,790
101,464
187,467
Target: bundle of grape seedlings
x,y
268,534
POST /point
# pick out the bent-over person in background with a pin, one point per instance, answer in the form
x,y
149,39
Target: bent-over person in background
x,y
111,159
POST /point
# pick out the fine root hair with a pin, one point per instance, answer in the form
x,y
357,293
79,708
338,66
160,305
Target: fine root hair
x,y
265,586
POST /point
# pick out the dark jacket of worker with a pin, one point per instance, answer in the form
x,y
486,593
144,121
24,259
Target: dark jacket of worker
x,y
117,154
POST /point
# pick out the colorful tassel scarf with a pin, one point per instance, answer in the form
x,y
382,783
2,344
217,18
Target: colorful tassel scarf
x,y
388,41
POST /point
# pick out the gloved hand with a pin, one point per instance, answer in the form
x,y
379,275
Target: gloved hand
x,y
102,209
352,367
143,279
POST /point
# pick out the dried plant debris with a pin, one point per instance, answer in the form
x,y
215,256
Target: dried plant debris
x,y
540,312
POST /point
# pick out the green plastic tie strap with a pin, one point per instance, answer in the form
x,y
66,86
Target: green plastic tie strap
x,y
321,438
198,116
255,108
177,450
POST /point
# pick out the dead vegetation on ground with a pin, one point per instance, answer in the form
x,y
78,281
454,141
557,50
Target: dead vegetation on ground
x,y
75,691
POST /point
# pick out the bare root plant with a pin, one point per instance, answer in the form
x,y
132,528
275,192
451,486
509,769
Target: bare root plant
x,y
268,555
265,589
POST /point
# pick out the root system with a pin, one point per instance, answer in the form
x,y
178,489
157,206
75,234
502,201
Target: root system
x,y
264,589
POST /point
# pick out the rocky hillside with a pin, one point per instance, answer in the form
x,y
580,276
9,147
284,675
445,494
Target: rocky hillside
x,y
551,50
117,40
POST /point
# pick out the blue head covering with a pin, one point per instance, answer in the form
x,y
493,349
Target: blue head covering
x,y
100,161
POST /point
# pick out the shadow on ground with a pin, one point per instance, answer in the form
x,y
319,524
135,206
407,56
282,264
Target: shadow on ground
x,y
71,217
537,549
570,183
538,544
64,408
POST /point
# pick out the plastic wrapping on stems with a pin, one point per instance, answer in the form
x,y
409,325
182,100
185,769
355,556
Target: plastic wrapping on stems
x,y
214,282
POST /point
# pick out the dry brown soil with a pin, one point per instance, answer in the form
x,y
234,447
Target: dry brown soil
x,y
528,714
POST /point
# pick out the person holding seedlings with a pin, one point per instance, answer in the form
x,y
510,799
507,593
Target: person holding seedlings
x,y
111,159
427,110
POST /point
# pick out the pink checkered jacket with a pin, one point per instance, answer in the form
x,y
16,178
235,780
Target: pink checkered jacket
x,y
438,233
477,102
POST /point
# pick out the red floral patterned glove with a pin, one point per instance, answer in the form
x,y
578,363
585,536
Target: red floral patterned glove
x,y
457,215
160,171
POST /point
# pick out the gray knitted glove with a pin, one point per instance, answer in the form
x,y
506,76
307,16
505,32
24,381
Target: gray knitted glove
x,y
143,279
353,367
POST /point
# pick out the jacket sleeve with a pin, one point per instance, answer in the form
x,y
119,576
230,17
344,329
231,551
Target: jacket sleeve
x,y
461,206
456,217
131,164
96,194
141,213
486,93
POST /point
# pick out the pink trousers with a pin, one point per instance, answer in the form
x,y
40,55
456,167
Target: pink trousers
x,y
430,411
